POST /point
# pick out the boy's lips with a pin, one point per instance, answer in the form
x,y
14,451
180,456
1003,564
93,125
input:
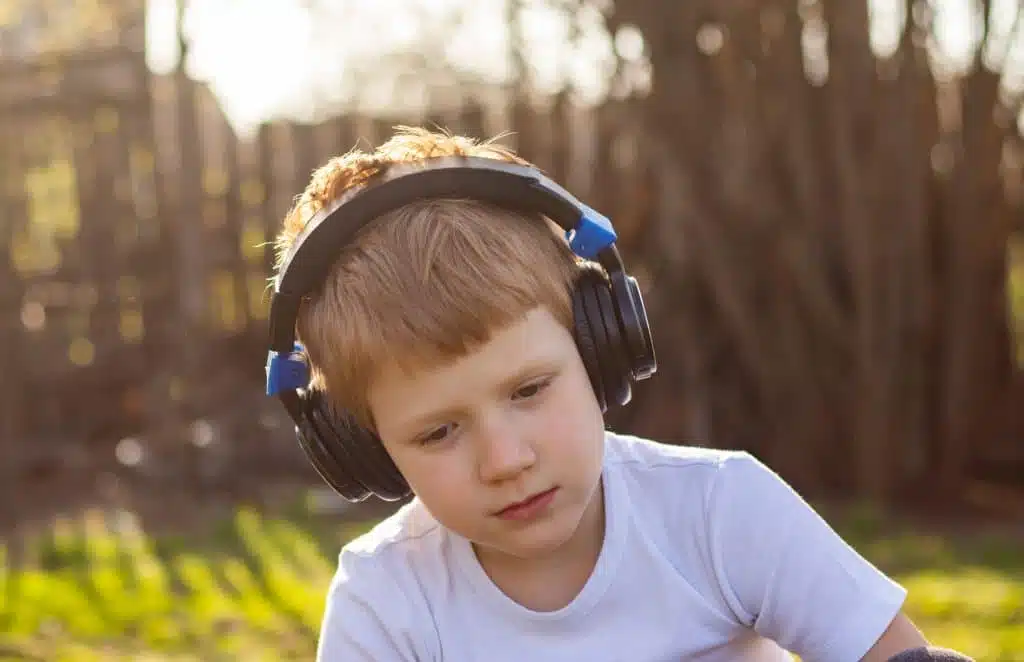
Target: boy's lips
x,y
528,507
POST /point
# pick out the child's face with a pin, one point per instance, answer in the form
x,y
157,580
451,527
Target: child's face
x,y
512,420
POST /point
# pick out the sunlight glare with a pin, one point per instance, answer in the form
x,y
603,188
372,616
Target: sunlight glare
x,y
294,59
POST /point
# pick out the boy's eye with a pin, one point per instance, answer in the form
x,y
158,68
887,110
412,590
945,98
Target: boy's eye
x,y
437,434
531,390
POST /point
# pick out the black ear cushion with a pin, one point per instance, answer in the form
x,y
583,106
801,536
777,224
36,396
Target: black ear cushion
x,y
311,433
342,451
586,345
363,451
617,384
393,483
592,308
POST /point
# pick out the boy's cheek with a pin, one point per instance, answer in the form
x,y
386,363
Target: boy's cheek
x,y
575,433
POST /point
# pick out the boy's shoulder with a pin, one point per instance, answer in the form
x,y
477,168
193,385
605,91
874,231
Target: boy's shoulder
x,y
656,467
657,481
410,527
640,453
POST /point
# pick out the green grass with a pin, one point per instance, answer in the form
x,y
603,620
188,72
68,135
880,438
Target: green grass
x,y
98,588
966,591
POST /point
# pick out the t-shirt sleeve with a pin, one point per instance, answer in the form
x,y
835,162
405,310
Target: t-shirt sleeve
x,y
787,574
366,617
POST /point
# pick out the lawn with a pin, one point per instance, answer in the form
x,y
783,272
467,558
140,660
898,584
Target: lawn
x,y
98,588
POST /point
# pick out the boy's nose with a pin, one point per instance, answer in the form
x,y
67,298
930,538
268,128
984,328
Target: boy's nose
x,y
503,453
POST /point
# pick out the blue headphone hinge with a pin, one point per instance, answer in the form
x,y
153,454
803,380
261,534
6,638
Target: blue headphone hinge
x,y
592,234
286,372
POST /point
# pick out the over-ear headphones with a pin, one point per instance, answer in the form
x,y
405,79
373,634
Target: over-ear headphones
x,y
610,322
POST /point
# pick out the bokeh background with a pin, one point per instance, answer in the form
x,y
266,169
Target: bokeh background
x,y
822,200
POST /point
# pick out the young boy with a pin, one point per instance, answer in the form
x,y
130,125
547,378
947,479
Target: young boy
x,y
446,328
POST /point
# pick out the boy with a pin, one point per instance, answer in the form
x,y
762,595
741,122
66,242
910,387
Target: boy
x,y
447,332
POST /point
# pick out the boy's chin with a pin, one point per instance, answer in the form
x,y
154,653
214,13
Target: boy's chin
x,y
532,543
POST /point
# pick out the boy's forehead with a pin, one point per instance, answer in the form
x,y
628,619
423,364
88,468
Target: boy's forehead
x,y
505,350
420,358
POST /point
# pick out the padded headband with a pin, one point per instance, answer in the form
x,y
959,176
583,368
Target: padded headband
x,y
509,185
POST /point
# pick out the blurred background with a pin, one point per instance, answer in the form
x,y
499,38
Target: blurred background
x,y
822,200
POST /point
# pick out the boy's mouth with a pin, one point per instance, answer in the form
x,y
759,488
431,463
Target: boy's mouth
x,y
527,508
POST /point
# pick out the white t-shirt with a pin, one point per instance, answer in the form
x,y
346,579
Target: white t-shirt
x,y
708,555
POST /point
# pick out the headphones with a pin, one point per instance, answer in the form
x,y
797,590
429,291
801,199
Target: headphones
x,y
610,322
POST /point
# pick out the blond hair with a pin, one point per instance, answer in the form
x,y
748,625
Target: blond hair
x,y
423,284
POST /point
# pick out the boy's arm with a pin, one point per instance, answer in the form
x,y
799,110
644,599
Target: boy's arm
x,y
366,617
901,635
789,576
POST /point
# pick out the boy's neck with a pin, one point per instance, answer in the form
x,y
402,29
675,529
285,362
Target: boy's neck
x,y
551,582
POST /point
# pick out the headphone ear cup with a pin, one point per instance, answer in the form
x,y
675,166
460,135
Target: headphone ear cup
x,y
636,328
586,344
311,434
363,451
613,356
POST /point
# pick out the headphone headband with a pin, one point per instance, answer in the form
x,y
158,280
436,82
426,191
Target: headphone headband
x,y
510,185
